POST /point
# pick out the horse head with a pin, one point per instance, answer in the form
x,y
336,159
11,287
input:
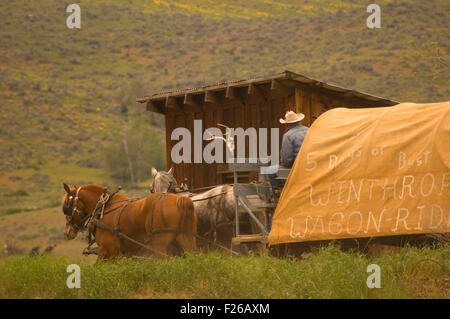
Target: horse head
x,y
163,182
78,204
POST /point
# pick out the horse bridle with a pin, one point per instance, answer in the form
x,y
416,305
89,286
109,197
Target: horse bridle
x,y
152,188
73,202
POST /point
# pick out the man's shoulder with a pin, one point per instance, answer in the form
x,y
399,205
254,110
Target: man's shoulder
x,y
295,131
304,127
300,128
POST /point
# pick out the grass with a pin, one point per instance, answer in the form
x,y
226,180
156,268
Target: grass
x,y
29,193
13,211
325,273
19,192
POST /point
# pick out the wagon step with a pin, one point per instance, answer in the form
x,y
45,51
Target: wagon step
x,y
249,239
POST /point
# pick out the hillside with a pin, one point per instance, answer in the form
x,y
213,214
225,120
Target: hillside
x,y
67,96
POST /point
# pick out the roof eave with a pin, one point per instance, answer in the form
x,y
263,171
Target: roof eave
x,y
262,80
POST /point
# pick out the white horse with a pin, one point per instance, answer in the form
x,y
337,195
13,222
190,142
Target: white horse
x,y
215,209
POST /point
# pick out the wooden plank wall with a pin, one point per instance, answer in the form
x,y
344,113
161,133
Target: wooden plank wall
x,y
263,108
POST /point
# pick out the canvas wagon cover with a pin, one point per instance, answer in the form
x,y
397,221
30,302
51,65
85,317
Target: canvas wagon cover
x,y
369,172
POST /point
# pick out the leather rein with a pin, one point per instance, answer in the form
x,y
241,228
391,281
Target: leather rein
x,y
98,211
94,219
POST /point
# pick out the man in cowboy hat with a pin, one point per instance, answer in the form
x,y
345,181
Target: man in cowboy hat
x,y
292,138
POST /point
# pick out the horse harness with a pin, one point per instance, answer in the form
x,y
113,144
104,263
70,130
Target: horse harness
x,y
73,202
91,221
182,190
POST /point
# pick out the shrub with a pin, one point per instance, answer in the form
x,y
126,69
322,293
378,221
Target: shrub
x,y
131,155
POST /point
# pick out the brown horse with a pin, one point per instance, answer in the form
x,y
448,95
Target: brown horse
x,y
118,222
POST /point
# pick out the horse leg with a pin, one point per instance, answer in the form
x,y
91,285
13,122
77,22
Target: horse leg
x,y
108,246
187,242
161,242
103,254
175,248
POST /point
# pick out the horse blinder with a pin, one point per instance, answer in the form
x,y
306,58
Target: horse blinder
x,y
67,207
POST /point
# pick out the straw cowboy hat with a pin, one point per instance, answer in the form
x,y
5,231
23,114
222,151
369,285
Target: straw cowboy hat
x,y
292,117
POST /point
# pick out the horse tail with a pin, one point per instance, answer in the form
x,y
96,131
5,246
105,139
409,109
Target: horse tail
x,y
188,224
188,218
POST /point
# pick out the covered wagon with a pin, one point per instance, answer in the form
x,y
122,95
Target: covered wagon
x,y
369,173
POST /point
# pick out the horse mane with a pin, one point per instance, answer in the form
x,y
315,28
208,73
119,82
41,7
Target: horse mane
x,y
98,190
94,188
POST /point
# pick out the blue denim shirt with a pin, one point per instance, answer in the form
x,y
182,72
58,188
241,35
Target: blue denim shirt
x,y
292,141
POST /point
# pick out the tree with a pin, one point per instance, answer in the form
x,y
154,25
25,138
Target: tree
x,y
428,59
133,153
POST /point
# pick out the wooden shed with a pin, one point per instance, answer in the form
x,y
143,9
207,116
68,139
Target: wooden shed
x,y
257,102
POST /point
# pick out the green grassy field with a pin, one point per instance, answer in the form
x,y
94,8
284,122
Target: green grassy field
x,y
325,273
